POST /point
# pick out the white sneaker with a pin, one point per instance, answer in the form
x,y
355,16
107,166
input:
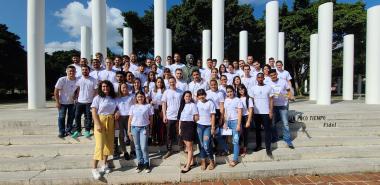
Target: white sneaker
x,y
95,174
105,169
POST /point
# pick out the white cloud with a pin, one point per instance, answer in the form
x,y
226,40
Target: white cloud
x,y
59,46
75,15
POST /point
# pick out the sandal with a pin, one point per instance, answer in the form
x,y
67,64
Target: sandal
x,y
185,171
233,163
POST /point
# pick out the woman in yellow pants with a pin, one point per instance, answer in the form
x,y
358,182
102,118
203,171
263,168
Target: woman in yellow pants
x,y
103,109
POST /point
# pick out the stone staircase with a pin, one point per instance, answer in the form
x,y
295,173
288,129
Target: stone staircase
x,y
341,138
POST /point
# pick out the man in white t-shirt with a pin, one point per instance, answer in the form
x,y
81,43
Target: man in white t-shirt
x,y
87,86
248,80
197,83
263,108
271,63
207,72
231,74
140,73
170,105
180,83
99,56
282,73
281,94
75,59
250,63
108,73
240,71
64,94
133,65
177,63
96,69
118,64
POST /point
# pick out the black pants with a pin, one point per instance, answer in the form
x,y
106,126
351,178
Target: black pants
x,y
171,133
82,108
244,134
263,119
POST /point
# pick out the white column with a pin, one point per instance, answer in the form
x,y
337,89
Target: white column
x,y
372,91
160,29
85,42
218,30
206,46
348,67
36,54
127,41
313,67
281,47
243,45
99,27
271,30
325,28
169,42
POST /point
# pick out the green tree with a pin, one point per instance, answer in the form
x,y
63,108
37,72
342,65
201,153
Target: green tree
x,y
13,61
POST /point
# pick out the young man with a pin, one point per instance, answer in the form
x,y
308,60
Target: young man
x,y
248,80
96,69
99,56
281,94
133,67
75,58
197,83
283,74
180,83
108,73
207,72
118,64
250,63
87,86
140,73
263,108
64,94
231,74
271,62
177,63
170,104
169,61
257,68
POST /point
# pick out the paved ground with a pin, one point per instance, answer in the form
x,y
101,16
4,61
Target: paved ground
x,y
343,179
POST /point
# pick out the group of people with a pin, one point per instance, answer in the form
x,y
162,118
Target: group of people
x,y
126,102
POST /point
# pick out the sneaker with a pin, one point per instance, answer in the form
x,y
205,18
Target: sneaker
x,y
269,154
75,135
116,156
168,154
105,169
147,168
139,168
126,156
132,154
95,174
61,135
291,146
87,134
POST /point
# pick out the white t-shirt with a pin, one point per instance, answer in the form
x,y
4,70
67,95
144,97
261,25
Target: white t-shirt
x,y
195,86
284,74
150,86
109,75
133,67
66,90
104,105
78,70
231,107
188,112
279,90
267,80
223,90
140,114
240,72
172,99
261,95
181,85
87,89
216,97
166,81
205,110
175,66
95,74
124,104
245,108
207,74
143,78
248,82
117,68
230,77
116,87
156,97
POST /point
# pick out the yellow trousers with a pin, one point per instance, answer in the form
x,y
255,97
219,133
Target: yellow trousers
x,y
104,139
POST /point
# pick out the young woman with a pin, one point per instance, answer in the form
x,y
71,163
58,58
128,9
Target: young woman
x,y
205,129
233,109
124,104
236,82
167,75
217,97
214,75
137,86
223,84
103,108
158,129
150,83
267,78
140,116
130,79
246,116
222,69
187,114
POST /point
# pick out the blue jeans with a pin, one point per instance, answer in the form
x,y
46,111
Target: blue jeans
x,y
204,136
69,109
140,137
280,113
232,124
83,108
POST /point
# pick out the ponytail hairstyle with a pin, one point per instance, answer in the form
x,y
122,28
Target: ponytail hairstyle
x,y
183,103
245,94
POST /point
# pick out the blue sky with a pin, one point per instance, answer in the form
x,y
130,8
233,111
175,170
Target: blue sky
x,y
62,32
